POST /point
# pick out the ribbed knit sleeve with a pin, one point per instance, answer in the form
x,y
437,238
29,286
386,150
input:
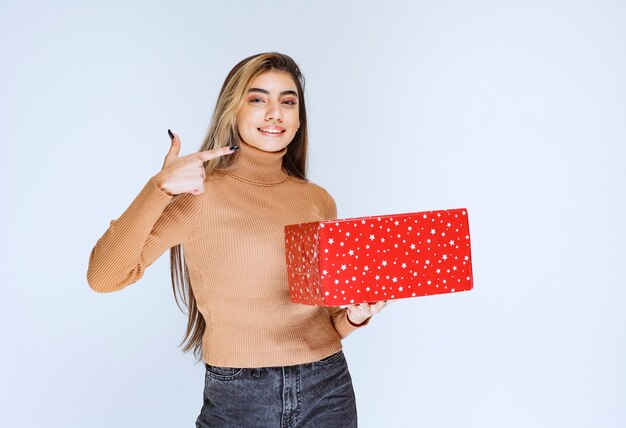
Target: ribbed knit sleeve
x,y
153,223
331,207
339,316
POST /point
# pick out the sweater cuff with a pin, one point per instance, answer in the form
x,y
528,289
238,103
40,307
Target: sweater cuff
x,y
156,190
345,327
146,208
357,325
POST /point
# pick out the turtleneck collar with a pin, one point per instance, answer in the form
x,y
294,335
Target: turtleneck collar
x,y
257,166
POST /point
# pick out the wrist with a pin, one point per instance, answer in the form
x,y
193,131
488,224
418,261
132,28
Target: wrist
x,y
159,184
353,324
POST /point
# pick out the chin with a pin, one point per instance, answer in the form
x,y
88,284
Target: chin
x,y
268,146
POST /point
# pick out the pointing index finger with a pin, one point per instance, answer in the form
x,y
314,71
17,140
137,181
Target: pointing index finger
x,y
215,153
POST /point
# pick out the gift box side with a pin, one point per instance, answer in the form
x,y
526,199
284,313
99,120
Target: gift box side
x,y
302,259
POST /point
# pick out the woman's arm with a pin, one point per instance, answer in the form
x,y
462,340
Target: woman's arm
x,y
151,224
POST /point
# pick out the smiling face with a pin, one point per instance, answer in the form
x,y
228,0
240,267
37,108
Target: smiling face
x,y
268,118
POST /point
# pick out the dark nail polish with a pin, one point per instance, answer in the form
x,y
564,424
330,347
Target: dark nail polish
x,y
233,148
170,133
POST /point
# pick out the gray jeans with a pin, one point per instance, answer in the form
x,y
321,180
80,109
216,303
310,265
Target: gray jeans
x,y
317,394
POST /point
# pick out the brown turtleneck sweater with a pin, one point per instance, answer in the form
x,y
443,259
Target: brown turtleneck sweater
x,y
233,240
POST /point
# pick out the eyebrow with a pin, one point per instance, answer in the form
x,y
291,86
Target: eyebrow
x,y
294,93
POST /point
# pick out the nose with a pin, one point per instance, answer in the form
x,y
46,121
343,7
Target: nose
x,y
273,112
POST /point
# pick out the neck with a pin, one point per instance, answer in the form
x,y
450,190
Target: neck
x,y
259,166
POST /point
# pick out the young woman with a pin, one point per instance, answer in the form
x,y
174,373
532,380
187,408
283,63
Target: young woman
x,y
222,212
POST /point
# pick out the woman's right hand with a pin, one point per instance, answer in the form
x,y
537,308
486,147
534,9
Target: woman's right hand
x,y
186,174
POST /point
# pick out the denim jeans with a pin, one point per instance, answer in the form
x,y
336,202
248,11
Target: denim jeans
x,y
317,394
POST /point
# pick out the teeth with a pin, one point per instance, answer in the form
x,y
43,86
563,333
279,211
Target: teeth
x,y
271,131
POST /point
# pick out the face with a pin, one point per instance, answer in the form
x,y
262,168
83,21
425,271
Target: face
x,y
269,118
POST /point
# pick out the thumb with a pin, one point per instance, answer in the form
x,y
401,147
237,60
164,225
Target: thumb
x,y
174,148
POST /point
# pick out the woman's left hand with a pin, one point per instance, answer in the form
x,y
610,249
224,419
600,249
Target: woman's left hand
x,y
358,314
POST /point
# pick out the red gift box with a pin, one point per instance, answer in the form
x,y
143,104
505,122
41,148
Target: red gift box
x,y
367,259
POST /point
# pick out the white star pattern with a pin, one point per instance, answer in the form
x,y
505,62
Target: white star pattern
x,y
322,277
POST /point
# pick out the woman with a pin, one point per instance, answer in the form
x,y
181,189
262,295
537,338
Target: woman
x,y
268,362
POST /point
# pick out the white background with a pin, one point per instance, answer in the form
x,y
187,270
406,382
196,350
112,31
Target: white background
x,y
515,111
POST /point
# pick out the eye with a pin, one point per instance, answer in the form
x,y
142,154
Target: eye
x,y
290,102
255,100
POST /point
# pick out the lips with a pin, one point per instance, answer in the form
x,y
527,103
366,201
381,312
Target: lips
x,y
271,130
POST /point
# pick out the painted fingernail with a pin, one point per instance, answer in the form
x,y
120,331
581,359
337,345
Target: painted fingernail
x,y
233,148
170,133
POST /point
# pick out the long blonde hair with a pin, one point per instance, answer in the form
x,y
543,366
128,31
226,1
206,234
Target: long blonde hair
x,y
222,132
